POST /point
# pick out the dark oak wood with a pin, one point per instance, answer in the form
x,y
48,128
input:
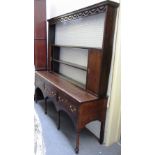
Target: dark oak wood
x,y
40,54
40,19
82,103
55,55
58,120
71,46
46,104
107,48
65,86
81,106
40,43
71,64
94,71
77,142
84,12
51,40
101,133
76,83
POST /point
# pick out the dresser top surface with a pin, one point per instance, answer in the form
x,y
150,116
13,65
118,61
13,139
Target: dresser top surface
x,y
65,86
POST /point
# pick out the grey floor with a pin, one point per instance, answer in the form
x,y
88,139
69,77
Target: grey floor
x,y
62,142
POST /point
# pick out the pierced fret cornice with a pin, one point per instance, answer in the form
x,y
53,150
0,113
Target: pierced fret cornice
x,y
82,14
85,12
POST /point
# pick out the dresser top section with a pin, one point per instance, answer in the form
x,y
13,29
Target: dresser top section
x,y
73,91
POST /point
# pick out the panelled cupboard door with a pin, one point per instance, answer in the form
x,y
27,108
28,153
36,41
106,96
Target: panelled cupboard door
x,y
40,54
40,49
39,19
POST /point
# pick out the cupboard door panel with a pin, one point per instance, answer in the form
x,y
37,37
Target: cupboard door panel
x,y
40,54
40,19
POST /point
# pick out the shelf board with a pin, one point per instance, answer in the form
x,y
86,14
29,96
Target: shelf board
x,y
71,64
68,46
74,82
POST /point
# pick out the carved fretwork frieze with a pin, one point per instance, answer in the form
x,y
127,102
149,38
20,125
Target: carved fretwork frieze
x,y
79,14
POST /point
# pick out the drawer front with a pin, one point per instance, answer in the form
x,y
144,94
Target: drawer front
x,y
67,104
46,87
50,91
39,83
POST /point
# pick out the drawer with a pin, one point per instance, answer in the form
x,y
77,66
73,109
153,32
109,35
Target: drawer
x,y
67,104
39,83
49,90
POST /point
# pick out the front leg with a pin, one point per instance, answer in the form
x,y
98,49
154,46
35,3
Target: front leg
x,y
35,98
45,99
58,120
101,133
77,142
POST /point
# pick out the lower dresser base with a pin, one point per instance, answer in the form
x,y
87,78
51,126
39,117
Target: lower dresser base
x,y
82,110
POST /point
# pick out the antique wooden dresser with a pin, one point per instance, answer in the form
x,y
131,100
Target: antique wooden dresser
x,y
76,87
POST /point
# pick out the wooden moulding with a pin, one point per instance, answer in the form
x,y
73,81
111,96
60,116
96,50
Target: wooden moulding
x,y
84,12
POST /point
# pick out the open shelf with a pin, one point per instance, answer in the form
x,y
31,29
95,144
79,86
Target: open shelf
x,y
71,64
74,82
68,46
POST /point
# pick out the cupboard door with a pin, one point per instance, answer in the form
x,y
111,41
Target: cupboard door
x,y
39,19
40,54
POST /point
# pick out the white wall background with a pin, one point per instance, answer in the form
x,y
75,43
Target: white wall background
x,y
112,128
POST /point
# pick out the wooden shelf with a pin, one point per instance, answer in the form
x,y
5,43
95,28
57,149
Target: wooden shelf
x,y
71,64
68,46
74,82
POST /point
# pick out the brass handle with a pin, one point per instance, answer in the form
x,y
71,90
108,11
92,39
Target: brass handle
x,y
60,99
53,93
72,108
